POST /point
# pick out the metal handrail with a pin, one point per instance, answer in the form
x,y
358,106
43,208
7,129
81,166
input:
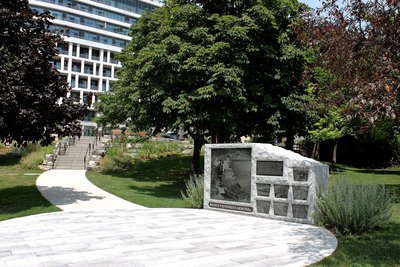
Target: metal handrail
x,y
56,153
86,153
299,147
71,140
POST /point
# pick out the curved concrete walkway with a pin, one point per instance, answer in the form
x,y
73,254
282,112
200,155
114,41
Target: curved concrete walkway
x,y
136,236
70,190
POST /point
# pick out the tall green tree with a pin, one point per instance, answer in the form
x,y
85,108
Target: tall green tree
x,y
211,68
31,108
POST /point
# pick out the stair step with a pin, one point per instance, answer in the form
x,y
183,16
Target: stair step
x,y
74,157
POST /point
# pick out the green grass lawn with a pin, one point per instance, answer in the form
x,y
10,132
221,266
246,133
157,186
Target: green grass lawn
x,y
366,176
377,248
153,183
18,193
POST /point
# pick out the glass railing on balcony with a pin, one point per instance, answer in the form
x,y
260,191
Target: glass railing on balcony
x,y
82,85
89,36
92,10
76,68
88,70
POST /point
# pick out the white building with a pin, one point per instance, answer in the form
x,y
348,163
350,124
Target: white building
x,y
95,31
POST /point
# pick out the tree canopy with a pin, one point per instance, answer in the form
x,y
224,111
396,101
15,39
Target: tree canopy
x,y
358,42
33,102
211,68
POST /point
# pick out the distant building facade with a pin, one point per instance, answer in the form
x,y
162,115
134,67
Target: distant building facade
x,y
95,31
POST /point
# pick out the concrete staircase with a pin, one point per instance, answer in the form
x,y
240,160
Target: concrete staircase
x,y
73,158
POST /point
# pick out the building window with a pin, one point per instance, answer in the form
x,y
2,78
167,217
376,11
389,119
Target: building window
x,y
84,53
95,10
75,96
88,69
65,63
106,72
76,67
87,98
56,63
112,58
82,83
72,82
62,48
94,84
97,69
95,54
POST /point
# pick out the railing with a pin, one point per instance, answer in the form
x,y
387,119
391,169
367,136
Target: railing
x,y
56,153
87,153
71,141
302,150
98,137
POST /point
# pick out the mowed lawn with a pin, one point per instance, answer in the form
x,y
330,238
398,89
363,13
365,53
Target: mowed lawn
x,y
18,193
377,248
152,183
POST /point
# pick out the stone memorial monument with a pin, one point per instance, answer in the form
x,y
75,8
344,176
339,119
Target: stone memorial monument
x,y
262,180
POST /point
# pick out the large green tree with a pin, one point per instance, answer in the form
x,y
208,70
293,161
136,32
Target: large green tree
x,y
31,108
211,68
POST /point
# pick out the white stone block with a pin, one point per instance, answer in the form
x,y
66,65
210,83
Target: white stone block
x,y
92,163
262,180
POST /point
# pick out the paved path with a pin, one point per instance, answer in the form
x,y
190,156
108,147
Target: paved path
x,y
137,236
159,237
70,190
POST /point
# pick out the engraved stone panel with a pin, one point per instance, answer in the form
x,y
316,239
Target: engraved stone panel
x,y
230,207
300,211
280,209
231,174
271,168
263,190
281,191
300,192
263,206
300,174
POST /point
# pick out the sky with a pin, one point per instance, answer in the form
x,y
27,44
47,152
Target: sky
x,y
312,3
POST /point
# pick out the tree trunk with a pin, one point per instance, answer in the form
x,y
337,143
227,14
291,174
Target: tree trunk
x,y
198,143
334,153
315,152
220,135
289,139
213,136
155,131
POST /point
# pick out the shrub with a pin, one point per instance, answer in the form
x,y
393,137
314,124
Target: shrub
x,y
122,140
4,148
153,149
194,191
115,160
34,155
353,209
